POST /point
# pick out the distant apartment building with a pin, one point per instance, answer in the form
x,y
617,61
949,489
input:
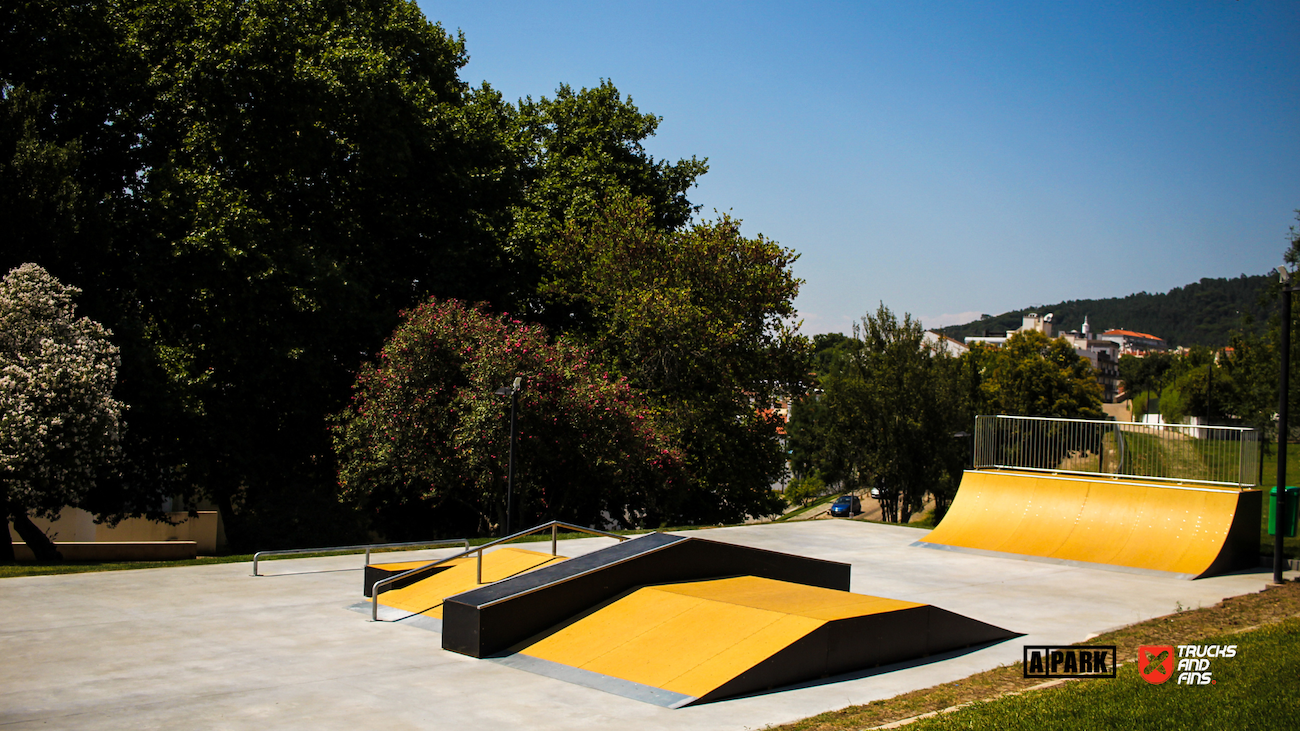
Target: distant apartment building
x,y
1102,353
1032,321
943,343
1135,343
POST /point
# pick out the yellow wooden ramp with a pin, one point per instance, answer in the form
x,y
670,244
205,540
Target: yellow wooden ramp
x,y
1185,529
460,575
704,640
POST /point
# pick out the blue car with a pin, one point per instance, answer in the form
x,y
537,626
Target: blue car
x,y
846,506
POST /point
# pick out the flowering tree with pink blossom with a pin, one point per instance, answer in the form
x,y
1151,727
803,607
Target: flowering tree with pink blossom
x,y
424,445
59,423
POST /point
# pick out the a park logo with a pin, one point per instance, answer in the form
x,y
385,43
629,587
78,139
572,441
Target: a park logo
x,y
1155,663
1077,661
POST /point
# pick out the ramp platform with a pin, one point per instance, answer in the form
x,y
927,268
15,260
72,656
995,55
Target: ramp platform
x,y
1187,530
491,619
425,595
686,643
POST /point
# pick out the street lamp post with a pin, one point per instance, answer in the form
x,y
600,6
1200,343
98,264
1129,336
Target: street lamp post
x,y
1279,504
513,392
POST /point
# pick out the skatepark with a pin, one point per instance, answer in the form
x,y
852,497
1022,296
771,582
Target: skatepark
x,y
214,647
723,628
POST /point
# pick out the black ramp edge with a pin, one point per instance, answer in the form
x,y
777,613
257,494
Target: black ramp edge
x,y
490,620
567,569
949,631
858,643
1241,549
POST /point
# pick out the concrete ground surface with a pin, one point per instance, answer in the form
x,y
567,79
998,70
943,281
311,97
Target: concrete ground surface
x,y
201,647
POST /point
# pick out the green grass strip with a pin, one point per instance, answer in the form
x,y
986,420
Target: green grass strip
x,y
1259,688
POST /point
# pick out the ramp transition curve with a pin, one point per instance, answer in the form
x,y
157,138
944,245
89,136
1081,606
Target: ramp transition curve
x,y
1185,529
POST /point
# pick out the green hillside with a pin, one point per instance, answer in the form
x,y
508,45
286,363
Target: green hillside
x,y
1203,313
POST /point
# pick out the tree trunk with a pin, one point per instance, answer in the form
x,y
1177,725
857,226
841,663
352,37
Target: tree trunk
x,y
6,540
35,538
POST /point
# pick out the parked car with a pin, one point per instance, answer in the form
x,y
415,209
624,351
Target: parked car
x,y
846,506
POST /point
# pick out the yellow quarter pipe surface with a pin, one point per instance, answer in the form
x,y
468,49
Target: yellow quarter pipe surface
x,y
1189,530
706,640
460,575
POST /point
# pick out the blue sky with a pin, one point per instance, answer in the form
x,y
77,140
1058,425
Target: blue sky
x,y
949,158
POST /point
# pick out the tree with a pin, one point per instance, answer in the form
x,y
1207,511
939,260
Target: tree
x,y
581,148
886,416
698,320
1034,376
423,446
814,448
252,201
59,424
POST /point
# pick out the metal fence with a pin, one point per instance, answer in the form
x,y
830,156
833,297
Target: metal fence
x,y
1219,455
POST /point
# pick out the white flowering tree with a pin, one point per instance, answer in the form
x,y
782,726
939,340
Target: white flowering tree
x,y
59,423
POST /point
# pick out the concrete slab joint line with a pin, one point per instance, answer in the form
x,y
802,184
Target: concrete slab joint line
x,y
118,649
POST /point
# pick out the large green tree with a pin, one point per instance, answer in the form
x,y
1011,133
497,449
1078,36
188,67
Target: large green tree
x,y
699,319
885,417
59,424
1034,376
580,148
250,191
251,201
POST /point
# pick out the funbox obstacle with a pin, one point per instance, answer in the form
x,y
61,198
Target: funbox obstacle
x,y
1188,530
675,620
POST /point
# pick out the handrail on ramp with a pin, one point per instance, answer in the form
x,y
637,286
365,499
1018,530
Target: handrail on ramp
x,y
554,526
366,547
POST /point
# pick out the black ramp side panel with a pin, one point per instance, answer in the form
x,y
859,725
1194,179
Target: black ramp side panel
x,y
546,575
859,643
489,620
949,631
1241,549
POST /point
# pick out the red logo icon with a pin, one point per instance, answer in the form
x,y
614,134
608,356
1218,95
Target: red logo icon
x,y
1155,663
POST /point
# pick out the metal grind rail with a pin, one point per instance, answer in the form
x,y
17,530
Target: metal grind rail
x,y
554,527
364,547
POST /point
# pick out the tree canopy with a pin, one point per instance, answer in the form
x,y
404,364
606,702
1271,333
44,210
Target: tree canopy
x,y
888,408
248,202
700,319
1034,376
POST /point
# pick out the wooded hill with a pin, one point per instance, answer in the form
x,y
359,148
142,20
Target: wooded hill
x,y
1202,313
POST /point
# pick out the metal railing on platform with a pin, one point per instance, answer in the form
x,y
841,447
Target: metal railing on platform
x,y
367,547
1217,455
554,527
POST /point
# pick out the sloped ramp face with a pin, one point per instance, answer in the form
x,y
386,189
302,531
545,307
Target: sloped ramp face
x,y
492,619
696,642
1186,530
425,595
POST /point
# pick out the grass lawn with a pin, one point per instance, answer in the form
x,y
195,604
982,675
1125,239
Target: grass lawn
x,y
1259,688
